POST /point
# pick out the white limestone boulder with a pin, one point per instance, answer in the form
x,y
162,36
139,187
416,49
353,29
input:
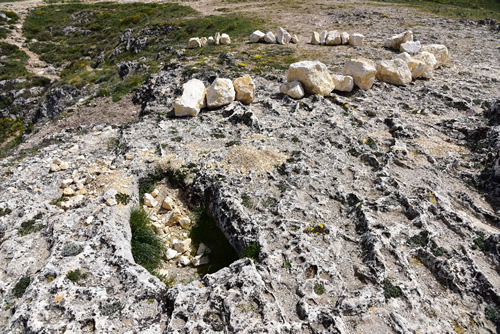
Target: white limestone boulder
x,y
439,51
203,41
410,47
293,89
149,200
245,89
394,42
283,36
211,41
343,83
220,93
333,38
421,66
344,38
315,38
322,37
394,71
217,38
192,99
257,36
225,39
270,38
356,39
362,70
194,43
313,75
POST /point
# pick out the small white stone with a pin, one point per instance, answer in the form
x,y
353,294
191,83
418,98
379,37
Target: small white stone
x,y
200,260
394,42
203,41
343,83
293,89
183,246
344,37
194,43
224,39
202,249
66,204
356,39
211,41
168,203
184,260
149,200
257,36
282,36
439,51
111,202
295,39
333,38
410,47
270,38
313,75
363,72
220,93
315,38
185,223
55,168
64,165
66,182
192,99
171,254
155,192
322,37
68,191
394,71
217,38
78,198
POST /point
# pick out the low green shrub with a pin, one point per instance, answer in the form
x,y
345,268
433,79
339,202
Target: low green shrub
x,y
21,286
147,247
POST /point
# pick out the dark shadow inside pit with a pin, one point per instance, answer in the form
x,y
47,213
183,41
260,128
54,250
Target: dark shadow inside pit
x,y
206,231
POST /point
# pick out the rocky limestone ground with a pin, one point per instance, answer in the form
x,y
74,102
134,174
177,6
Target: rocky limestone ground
x,y
375,211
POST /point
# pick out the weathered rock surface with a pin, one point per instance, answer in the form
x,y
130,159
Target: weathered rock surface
x,y
245,89
220,93
394,71
313,75
410,47
192,99
363,72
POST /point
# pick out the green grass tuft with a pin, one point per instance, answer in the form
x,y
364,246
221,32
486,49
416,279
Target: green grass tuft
x,y
75,275
252,251
21,286
391,290
147,247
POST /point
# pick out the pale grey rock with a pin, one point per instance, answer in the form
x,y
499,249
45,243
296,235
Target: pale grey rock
x,y
343,83
293,89
356,39
363,72
394,71
410,47
333,38
315,40
344,37
394,42
194,43
323,36
270,38
171,254
225,39
439,51
282,36
294,39
192,99
257,36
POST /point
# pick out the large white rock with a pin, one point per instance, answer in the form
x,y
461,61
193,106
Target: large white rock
x,y
224,39
282,36
343,83
394,42
220,93
315,38
184,261
217,38
194,43
245,89
356,39
168,203
421,65
293,89
394,71
344,37
439,51
410,47
295,39
183,246
333,38
313,75
322,36
203,41
192,99
257,36
211,41
270,38
362,70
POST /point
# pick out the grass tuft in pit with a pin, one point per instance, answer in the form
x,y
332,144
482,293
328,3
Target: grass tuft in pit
x,y
147,247
252,251
21,286
391,290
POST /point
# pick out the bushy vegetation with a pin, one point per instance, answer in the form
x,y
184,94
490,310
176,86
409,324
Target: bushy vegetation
x,y
462,9
391,290
21,286
75,275
252,251
30,226
147,247
12,62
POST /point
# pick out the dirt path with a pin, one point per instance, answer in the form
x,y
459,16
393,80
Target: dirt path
x,y
34,64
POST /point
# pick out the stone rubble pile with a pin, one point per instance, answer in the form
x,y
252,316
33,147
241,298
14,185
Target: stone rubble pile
x,y
196,42
312,77
335,37
282,37
220,93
